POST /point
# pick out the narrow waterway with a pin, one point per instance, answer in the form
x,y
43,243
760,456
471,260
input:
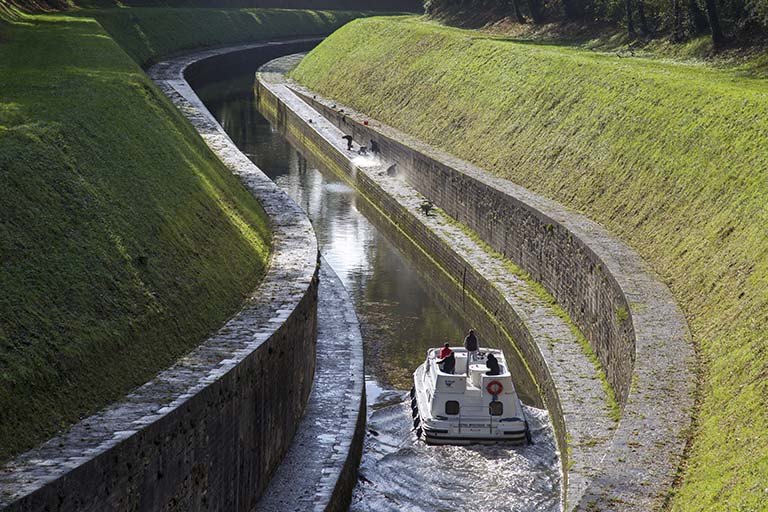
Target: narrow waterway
x,y
399,320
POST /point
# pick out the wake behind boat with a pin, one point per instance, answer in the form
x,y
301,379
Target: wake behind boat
x,y
459,403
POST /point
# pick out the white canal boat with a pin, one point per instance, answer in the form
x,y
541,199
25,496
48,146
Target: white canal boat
x,y
467,407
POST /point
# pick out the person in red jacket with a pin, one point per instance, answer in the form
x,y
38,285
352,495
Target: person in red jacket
x,y
447,361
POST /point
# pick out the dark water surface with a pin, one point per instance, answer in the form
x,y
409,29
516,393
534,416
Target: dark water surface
x,y
399,321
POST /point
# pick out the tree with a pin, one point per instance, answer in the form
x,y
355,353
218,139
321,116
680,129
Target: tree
x,y
569,8
518,13
677,21
714,23
630,25
697,17
534,9
641,18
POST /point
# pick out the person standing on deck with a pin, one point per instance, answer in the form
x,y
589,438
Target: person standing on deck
x,y
445,351
471,345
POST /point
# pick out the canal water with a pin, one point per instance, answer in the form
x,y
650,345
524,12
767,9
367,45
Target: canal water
x,y
399,321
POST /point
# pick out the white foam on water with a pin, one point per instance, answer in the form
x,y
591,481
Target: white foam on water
x,y
398,472
338,188
366,161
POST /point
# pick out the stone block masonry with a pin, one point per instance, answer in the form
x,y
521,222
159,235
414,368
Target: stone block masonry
x,y
320,470
207,433
628,316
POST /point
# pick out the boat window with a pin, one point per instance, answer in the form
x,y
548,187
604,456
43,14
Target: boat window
x,y
452,407
496,408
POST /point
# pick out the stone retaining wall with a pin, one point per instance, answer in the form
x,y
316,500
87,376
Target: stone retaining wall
x,y
207,433
628,316
534,239
320,470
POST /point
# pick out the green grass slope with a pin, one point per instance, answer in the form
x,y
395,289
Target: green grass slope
x,y
124,242
148,33
379,5
669,157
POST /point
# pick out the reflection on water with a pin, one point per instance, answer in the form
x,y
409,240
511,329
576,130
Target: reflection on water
x,y
399,321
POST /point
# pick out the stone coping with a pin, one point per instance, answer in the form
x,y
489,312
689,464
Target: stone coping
x,y
646,448
290,280
320,470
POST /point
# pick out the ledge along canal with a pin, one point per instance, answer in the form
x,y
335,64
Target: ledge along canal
x,y
401,316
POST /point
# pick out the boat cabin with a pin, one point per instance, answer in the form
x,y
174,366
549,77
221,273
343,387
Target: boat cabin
x,y
473,392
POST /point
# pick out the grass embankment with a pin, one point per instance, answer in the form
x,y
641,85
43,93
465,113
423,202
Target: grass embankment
x,y
388,5
669,157
148,33
124,241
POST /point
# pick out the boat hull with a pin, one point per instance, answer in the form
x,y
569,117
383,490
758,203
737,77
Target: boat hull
x,y
518,438
474,431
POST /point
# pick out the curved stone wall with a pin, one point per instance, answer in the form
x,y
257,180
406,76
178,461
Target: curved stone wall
x,y
629,317
570,259
319,471
207,433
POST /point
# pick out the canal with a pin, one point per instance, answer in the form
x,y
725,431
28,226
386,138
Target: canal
x,y
400,318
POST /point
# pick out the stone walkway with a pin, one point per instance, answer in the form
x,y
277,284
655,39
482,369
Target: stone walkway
x,y
323,446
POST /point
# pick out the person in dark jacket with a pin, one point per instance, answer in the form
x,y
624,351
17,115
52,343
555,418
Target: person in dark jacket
x,y
493,365
448,363
348,138
470,343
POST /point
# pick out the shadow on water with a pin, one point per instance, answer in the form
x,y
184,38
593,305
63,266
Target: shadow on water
x,y
401,316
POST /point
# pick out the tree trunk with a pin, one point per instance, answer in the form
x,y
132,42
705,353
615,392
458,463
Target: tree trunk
x,y
739,10
714,23
677,21
534,7
630,25
698,19
518,13
641,18
569,10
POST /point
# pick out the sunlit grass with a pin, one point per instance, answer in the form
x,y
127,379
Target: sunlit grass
x,y
146,33
124,242
671,157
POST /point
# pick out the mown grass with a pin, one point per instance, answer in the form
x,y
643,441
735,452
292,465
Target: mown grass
x,y
124,241
669,157
148,33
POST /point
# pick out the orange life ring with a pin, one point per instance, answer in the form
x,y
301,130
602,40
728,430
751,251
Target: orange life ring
x,y
494,387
